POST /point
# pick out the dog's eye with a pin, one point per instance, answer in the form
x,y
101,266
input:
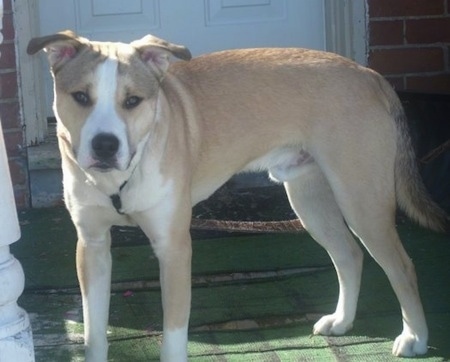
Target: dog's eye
x,y
132,102
81,98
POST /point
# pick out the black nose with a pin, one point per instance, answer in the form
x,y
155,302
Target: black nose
x,y
105,146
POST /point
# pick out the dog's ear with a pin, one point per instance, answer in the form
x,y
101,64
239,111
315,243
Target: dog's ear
x,y
156,52
60,47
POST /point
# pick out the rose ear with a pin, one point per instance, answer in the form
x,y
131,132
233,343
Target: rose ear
x,y
156,52
60,47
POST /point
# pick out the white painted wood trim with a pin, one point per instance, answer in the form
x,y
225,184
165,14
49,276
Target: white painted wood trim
x,y
31,86
346,28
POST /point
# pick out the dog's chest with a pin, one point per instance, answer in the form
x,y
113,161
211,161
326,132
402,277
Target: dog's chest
x,y
144,190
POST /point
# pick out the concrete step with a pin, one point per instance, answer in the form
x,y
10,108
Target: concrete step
x,y
44,162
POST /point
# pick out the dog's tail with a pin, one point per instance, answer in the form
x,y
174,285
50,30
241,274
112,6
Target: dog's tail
x,y
412,195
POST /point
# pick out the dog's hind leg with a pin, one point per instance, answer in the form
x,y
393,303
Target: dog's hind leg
x,y
368,205
313,201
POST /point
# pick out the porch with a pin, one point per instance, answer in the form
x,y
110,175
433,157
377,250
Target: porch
x,y
255,297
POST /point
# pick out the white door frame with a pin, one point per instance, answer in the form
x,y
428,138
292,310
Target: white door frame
x,y
345,32
346,28
31,86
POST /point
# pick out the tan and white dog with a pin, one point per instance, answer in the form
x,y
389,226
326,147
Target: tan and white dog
x,y
142,142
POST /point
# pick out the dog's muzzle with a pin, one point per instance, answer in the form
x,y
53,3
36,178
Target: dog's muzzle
x,y
105,147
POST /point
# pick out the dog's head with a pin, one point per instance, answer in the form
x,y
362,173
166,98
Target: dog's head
x,y
105,94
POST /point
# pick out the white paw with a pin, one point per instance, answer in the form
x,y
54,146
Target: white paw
x,y
409,345
331,325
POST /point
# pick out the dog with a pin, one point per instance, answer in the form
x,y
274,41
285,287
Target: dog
x,y
143,139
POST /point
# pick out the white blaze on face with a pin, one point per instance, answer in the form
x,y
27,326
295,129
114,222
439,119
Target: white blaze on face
x,y
104,117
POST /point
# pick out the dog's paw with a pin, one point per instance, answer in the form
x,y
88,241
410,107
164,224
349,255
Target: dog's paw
x,y
331,325
409,345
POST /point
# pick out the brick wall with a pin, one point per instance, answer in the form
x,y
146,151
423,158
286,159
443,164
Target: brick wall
x,y
10,110
409,43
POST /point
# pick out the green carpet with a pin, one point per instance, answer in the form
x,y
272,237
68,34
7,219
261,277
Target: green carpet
x,y
255,297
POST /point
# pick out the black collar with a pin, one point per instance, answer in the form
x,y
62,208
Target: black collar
x,y
116,200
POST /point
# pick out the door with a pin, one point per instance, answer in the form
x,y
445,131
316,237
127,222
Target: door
x,y
202,25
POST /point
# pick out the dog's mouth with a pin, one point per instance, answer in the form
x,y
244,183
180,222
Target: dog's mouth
x,y
112,164
104,166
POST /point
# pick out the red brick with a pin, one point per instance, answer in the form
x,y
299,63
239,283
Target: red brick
x,y
18,171
13,143
448,52
8,85
388,8
407,60
396,82
8,56
432,84
22,197
10,115
428,31
386,32
8,27
7,5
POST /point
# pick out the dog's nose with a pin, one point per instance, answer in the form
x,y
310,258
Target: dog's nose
x,y
105,146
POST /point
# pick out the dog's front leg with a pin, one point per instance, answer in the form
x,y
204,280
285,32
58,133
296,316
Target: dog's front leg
x,y
94,275
171,241
175,276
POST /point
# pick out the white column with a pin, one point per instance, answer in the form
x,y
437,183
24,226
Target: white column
x,y
16,342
